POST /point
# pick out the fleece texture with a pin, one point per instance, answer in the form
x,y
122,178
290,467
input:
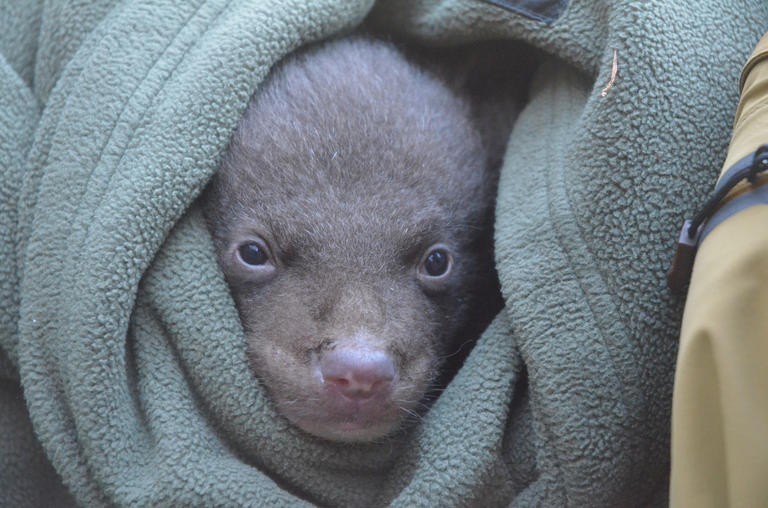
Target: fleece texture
x,y
117,327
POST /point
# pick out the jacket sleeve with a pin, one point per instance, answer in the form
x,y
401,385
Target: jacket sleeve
x,y
720,402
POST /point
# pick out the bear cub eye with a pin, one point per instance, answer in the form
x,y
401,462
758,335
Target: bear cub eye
x,y
437,262
253,254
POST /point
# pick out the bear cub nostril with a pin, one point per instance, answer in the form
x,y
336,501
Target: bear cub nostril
x,y
358,374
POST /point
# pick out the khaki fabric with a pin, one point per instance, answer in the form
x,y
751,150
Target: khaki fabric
x,y
750,127
720,403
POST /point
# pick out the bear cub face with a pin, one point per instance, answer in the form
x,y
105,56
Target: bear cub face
x,y
352,219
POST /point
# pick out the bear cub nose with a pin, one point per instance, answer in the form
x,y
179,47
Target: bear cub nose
x,y
358,374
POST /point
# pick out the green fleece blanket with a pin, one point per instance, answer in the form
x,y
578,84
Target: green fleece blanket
x,y
118,328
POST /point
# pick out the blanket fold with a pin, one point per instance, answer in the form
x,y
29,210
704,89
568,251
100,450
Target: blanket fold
x,y
118,326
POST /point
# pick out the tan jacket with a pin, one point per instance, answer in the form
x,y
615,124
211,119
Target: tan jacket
x,y
720,404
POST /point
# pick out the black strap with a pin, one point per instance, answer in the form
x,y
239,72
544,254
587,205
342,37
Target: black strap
x,y
747,168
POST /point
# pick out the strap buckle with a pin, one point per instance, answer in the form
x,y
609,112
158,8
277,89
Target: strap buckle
x,y
747,168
